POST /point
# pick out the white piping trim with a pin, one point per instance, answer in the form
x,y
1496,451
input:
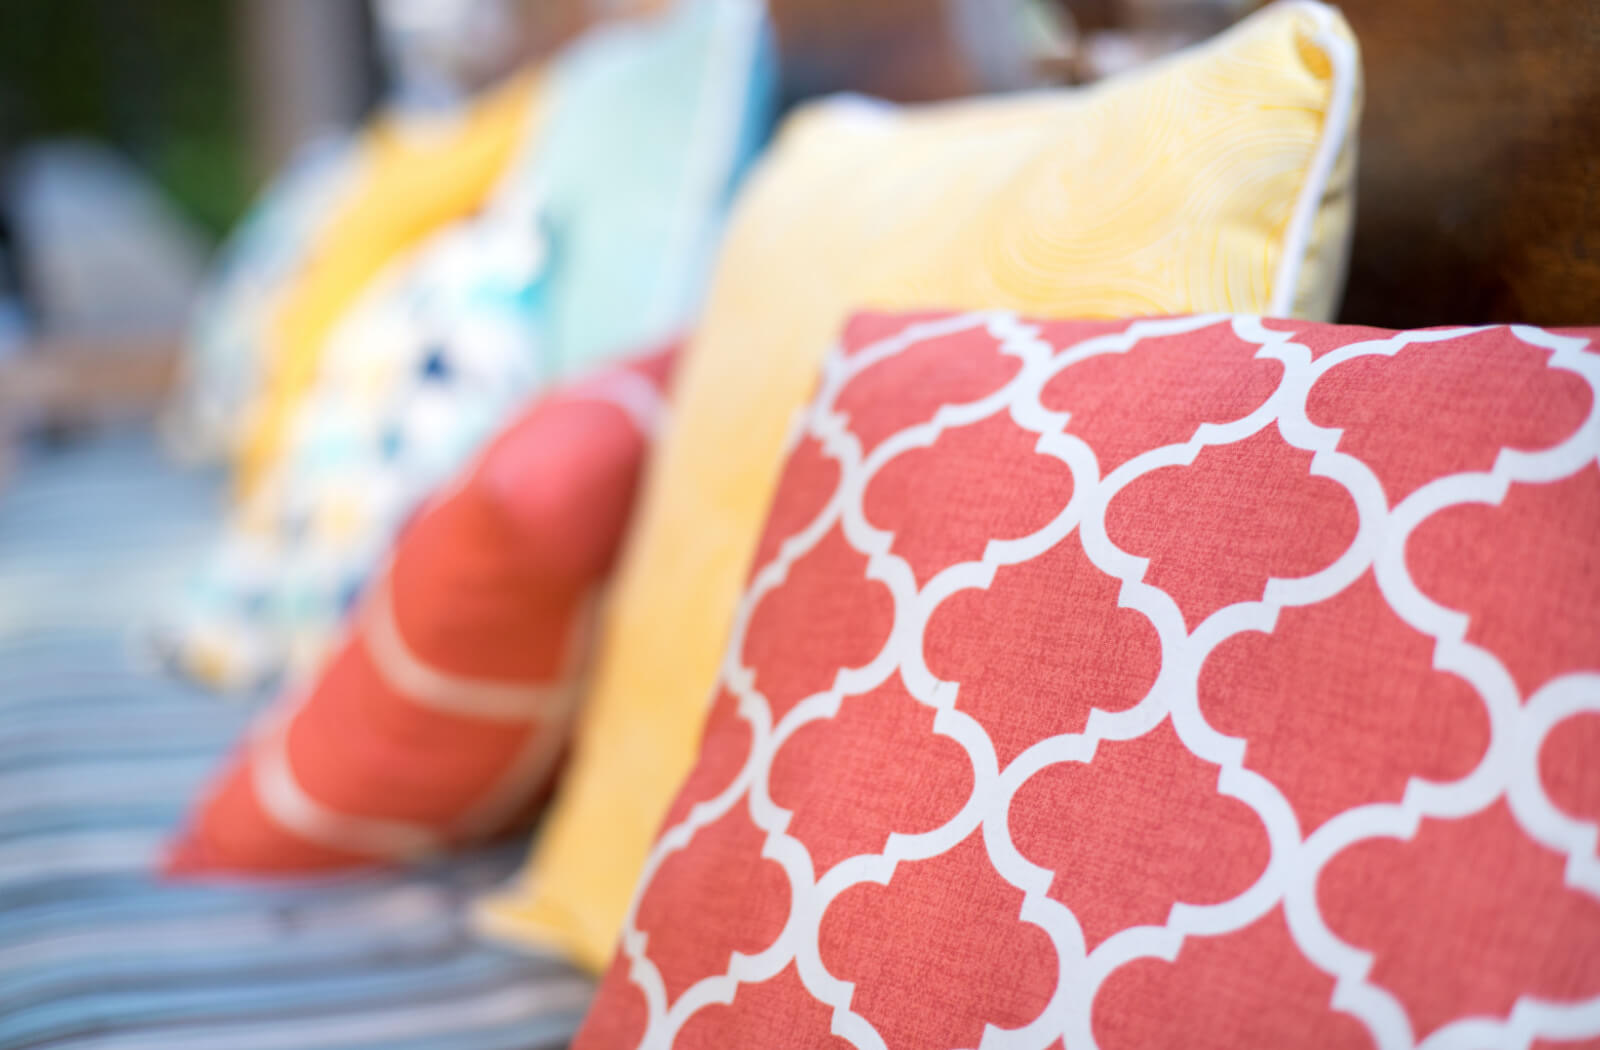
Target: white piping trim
x,y
1335,127
533,762
546,710
288,804
422,684
638,398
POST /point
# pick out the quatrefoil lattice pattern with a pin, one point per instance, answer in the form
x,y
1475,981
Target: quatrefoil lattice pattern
x,y
1206,682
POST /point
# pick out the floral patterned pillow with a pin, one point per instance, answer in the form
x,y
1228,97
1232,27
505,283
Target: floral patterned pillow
x,y
596,243
423,368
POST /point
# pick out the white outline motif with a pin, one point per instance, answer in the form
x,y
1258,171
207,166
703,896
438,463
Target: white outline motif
x,y
1509,768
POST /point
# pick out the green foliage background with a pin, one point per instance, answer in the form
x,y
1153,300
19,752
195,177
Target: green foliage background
x,y
156,78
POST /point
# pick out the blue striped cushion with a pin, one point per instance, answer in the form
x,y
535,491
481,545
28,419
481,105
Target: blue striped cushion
x,y
100,755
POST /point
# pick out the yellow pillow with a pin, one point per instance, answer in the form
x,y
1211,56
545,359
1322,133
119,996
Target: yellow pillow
x,y
1219,180
417,175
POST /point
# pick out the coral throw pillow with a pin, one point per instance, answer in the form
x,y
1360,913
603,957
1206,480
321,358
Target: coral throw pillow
x,y
1216,181
442,716
1203,682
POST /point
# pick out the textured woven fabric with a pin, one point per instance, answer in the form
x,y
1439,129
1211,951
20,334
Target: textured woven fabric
x,y
1202,682
1218,180
98,756
441,717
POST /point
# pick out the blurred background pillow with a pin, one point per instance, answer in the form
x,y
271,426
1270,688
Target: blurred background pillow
x,y
597,240
443,712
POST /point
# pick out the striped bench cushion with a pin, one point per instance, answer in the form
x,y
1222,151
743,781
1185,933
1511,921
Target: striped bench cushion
x,y
99,756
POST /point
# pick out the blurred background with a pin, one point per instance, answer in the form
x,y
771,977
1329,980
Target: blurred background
x,y
133,135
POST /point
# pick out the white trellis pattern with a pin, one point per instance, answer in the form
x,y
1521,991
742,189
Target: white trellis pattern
x,y
1203,681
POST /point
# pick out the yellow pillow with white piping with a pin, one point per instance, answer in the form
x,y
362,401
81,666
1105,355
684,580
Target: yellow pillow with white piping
x,y
1219,179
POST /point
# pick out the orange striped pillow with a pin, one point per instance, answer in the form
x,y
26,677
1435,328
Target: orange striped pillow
x,y
441,718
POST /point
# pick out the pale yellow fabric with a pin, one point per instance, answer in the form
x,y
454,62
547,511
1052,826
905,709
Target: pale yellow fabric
x,y
1166,192
416,176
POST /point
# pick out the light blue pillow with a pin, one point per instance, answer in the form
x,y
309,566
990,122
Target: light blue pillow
x,y
651,126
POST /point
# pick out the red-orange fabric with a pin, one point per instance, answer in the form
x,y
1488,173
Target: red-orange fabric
x,y
442,716
1211,683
